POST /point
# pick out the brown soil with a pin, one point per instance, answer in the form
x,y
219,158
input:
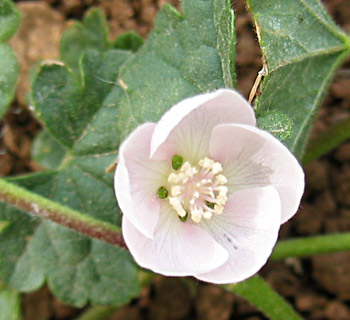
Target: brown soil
x,y
318,287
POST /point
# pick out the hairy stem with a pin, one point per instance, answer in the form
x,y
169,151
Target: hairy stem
x,y
308,246
98,313
44,208
259,293
327,141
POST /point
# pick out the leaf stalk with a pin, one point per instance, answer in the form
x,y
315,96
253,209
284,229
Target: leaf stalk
x,y
44,208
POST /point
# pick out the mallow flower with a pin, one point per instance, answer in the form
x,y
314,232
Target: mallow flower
x,y
204,191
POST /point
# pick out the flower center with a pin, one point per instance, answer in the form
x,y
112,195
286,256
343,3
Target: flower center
x,y
198,192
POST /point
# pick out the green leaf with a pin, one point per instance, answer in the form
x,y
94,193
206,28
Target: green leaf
x,y
128,41
46,151
259,293
92,33
10,304
303,48
81,112
78,269
184,55
9,20
8,77
81,115
9,23
276,123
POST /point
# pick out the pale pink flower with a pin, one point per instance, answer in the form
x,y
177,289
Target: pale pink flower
x,y
203,192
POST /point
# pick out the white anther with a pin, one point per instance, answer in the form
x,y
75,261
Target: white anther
x,y
221,199
196,195
176,204
221,179
196,215
219,209
181,212
206,181
207,215
186,168
184,178
216,168
222,190
174,201
173,178
187,171
176,191
206,163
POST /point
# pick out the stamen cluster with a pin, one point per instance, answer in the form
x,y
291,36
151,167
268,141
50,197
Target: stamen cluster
x,y
198,192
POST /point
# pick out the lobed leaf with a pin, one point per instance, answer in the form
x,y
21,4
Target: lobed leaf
x,y
128,41
303,47
183,56
78,269
87,111
79,113
92,33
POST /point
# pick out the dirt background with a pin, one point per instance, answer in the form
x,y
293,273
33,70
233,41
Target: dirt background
x,y
318,287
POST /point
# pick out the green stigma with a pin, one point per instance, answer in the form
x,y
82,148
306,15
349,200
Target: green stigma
x,y
162,193
210,204
176,162
183,219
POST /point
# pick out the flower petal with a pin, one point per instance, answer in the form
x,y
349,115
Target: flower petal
x,y
137,179
185,129
177,248
254,158
248,229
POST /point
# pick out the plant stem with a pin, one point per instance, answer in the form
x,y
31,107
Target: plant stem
x,y
44,208
303,247
98,313
259,293
10,304
327,141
